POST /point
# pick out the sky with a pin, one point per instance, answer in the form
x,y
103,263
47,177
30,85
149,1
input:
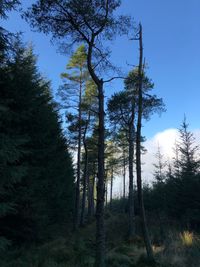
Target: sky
x,y
171,33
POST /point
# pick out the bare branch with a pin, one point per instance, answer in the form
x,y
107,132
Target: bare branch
x,y
114,78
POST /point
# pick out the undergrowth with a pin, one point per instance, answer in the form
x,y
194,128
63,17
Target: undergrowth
x,y
179,249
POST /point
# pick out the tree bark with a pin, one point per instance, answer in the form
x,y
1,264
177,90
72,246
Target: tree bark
x,y
131,191
138,152
100,231
111,188
124,174
92,197
77,197
106,192
85,174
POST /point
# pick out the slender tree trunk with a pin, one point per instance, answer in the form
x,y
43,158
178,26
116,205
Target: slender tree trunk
x,y
85,174
124,174
100,231
138,153
90,201
111,188
89,192
106,185
131,192
92,197
77,198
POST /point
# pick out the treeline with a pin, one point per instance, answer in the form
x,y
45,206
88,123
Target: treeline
x,y
37,182
174,195
172,199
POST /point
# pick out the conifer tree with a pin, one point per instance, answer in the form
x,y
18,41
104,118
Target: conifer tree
x,y
72,94
123,109
38,177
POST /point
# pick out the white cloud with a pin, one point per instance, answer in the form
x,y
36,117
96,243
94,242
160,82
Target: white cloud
x,y
166,141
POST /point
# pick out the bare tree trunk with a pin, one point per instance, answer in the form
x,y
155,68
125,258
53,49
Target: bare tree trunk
x,y
92,197
131,192
100,231
90,201
85,174
106,192
124,174
111,188
138,153
77,197
89,192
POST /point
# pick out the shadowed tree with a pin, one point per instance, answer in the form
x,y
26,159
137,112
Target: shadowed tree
x,y
160,175
188,163
35,166
138,148
71,95
122,112
121,140
89,111
112,164
7,39
89,22
140,113
159,172
123,109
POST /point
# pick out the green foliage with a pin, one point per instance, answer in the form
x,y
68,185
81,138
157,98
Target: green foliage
x,y
175,193
36,188
123,105
77,67
188,163
7,5
60,24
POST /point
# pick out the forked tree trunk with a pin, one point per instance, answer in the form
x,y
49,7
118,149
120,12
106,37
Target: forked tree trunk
x,y
138,153
131,192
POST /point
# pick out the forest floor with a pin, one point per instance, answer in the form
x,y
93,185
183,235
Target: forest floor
x,y
78,250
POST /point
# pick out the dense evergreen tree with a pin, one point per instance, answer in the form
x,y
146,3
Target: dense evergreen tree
x,y
175,192
37,189
185,182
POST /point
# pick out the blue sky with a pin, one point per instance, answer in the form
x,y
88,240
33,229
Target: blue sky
x,y
171,47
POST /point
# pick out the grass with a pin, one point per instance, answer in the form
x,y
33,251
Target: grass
x,y
177,250
181,250
187,238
